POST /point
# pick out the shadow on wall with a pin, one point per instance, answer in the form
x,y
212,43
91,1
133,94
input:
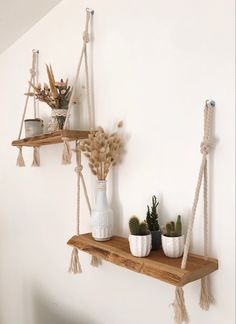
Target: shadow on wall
x,y
47,311
116,203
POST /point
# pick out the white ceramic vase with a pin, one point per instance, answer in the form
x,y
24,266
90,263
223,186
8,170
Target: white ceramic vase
x,y
173,247
140,245
101,215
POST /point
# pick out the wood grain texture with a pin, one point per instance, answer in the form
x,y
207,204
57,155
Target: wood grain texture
x,y
51,138
156,265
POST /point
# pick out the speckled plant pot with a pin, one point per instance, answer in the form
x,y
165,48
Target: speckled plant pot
x,y
33,127
173,247
102,215
140,245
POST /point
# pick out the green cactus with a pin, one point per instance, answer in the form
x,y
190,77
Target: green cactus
x,y
178,227
134,225
168,229
152,217
143,229
137,228
174,229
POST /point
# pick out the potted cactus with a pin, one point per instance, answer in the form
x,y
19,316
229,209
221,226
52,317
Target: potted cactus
x,y
153,224
140,239
172,239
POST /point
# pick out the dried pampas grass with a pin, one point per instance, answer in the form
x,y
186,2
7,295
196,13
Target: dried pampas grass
x,y
102,150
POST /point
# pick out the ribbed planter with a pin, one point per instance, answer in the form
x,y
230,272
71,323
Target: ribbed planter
x,y
156,239
140,245
173,247
102,215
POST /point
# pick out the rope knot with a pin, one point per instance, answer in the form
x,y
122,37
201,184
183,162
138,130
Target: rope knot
x,y
79,169
86,37
205,146
33,73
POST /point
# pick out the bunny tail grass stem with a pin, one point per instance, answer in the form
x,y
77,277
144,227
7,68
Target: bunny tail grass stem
x,y
75,266
20,160
181,315
36,159
67,153
206,298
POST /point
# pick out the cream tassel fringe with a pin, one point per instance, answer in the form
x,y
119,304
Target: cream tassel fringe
x,y
181,315
75,266
67,153
36,159
20,160
95,261
206,298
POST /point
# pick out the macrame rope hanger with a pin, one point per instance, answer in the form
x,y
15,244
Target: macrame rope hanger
x,y
34,80
206,298
75,266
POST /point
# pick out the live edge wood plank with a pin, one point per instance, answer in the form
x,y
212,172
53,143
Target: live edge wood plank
x,y
156,265
51,138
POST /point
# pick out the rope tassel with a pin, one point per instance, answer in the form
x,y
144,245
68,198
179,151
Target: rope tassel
x,y
36,159
75,266
181,315
20,160
206,298
95,261
67,153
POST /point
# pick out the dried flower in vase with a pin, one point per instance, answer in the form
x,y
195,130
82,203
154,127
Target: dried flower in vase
x,y
57,96
102,150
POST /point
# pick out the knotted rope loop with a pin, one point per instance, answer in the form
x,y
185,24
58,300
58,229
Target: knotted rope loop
x,y
205,146
86,36
79,169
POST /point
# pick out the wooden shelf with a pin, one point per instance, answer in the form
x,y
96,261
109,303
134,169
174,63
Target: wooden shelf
x,y
156,265
51,138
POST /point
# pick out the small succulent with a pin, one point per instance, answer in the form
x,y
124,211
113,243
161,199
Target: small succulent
x,y
152,216
138,228
173,229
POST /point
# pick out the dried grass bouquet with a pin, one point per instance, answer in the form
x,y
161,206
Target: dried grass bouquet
x,y
102,150
57,96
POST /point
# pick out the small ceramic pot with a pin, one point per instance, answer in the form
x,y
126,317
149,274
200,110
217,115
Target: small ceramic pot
x,y
33,127
140,245
156,239
173,247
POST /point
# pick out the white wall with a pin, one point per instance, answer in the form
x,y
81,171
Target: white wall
x,y
155,63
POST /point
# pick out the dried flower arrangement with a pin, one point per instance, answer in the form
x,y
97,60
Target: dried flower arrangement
x,y
102,150
57,96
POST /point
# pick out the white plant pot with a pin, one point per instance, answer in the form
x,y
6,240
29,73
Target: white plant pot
x,y
140,245
101,215
173,247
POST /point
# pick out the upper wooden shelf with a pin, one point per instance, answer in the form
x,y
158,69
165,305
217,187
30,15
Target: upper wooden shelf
x,y
51,138
156,265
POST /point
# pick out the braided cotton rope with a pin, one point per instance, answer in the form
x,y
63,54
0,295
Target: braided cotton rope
x,y
74,263
66,157
181,315
33,78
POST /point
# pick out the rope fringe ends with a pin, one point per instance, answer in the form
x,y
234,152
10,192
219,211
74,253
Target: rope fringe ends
x,y
20,160
36,158
75,266
95,261
181,315
206,298
67,153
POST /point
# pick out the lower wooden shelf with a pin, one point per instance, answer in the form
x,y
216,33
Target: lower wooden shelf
x,y
156,265
51,138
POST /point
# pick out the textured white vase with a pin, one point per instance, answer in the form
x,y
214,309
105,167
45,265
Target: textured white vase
x,y
101,215
140,245
173,247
